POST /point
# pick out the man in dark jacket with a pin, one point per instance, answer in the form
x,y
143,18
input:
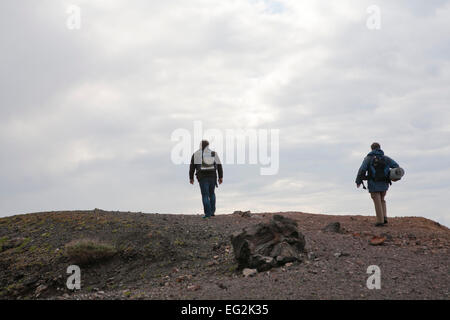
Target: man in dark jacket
x,y
377,166
205,163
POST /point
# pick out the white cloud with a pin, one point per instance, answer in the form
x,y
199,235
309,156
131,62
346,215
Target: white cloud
x,y
86,115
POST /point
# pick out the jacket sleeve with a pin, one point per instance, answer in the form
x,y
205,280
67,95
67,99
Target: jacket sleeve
x,y
362,170
219,166
191,169
392,163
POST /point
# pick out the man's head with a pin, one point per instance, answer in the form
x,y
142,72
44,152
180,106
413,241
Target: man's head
x,y
375,146
204,144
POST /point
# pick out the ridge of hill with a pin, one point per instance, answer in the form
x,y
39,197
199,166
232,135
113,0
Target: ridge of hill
x,y
175,256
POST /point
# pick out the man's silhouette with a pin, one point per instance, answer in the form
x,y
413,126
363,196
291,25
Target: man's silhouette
x,y
205,163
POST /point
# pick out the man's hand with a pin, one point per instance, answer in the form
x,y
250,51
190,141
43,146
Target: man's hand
x,y
191,181
220,180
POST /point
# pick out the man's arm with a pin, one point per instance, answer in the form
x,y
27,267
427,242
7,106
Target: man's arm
x,y
219,168
362,171
392,163
191,170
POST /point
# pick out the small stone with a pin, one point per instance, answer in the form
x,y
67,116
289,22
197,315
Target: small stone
x,y
377,241
222,286
40,289
289,264
333,227
311,255
387,236
249,272
194,287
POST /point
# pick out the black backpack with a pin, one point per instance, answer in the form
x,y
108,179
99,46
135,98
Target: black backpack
x,y
378,169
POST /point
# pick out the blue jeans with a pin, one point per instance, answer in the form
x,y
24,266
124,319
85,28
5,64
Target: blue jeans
x,y
207,187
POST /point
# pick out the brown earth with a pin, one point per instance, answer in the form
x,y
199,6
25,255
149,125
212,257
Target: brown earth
x,y
185,257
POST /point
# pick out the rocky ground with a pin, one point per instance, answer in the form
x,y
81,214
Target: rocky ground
x,y
185,257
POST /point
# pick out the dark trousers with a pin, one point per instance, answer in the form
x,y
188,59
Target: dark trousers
x,y
207,186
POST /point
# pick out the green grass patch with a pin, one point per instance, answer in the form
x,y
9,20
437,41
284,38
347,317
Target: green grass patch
x,y
22,246
87,251
3,241
127,294
179,242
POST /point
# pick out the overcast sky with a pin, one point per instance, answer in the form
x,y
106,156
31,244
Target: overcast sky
x,y
86,115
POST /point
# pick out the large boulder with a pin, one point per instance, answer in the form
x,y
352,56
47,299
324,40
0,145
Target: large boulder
x,y
267,245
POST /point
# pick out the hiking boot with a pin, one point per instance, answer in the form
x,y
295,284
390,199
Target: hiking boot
x,y
205,217
385,220
379,224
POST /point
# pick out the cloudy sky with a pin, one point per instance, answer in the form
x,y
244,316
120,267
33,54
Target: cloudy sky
x,y
87,115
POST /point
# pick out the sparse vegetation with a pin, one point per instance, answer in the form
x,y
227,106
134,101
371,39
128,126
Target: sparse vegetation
x,y
87,251
179,242
22,246
127,293
3,240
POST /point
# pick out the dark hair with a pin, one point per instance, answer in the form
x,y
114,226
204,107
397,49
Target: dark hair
x,y
375,146
205,143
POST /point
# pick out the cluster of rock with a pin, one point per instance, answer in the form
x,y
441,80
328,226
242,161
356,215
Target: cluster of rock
x,y
243,214
267,245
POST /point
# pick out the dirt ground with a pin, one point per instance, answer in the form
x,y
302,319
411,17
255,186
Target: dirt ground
x,y
186,257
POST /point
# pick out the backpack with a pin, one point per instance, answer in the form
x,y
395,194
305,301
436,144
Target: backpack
x,y
378,169
208,161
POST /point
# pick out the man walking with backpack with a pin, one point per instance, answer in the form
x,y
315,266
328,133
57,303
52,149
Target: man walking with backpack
x,y
205,163
377,166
